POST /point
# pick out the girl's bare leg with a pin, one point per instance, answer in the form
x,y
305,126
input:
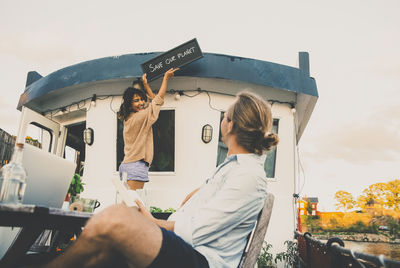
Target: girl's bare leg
x,y
134,185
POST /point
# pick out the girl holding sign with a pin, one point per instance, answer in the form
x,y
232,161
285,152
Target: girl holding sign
x,y
138,116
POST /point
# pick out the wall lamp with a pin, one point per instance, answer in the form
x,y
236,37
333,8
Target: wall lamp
x,y
206,133
88,136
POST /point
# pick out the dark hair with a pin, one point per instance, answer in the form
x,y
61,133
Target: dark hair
x,y
252,122
126,106
138,83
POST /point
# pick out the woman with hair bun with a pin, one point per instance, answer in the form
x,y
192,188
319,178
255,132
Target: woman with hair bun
x,y
138,116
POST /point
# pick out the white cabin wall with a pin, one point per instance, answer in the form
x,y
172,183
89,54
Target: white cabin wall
x,y
101,155
194,160
282,223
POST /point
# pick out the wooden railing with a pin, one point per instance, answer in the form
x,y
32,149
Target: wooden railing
x,y
7,143
333,254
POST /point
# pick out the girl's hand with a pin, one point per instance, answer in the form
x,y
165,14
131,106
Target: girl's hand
x,y
170,73
144,78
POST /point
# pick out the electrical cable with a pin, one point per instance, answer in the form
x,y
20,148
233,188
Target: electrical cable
x,y
191,96
172,91
112,98
77,103
209,103
299,163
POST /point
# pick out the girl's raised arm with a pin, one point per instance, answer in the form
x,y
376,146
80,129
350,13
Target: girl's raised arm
x,y
147,87
167,76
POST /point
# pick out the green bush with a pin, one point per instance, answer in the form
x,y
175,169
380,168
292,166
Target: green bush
x,y
291,256
155,210
265,259
76,186
358,227
394,227
159,210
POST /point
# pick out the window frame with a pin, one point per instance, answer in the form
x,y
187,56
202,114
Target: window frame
x,y
153,173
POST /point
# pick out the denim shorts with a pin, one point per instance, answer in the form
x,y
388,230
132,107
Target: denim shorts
x,y
176,253
136,171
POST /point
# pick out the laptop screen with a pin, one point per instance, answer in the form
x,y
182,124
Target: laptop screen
x,y
48,177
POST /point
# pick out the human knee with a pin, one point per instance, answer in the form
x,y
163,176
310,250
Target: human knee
x,y
107,222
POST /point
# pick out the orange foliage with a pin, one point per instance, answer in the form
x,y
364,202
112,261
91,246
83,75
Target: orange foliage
x,y
330,220
333,220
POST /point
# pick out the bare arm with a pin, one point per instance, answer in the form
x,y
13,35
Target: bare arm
x,y
189,196
167,76
147,87
168,225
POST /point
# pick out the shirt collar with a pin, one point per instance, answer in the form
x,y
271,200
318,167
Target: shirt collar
x,y
245,158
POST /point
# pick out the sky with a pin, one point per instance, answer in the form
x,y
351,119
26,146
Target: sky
x,y
352,139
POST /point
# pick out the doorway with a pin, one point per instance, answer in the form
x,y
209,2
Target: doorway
x,y
75,146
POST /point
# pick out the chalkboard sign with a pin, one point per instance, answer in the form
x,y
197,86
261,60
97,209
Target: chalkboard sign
x,y
174,58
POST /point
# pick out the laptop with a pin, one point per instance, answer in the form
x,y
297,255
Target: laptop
x,y
48,177
47,182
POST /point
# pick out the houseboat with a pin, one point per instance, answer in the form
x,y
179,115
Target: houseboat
x,y
74,110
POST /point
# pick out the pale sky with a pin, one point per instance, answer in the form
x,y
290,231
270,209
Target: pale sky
x,y
352,139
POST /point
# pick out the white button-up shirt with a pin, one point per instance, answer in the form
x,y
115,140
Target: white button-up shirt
x,y
218,218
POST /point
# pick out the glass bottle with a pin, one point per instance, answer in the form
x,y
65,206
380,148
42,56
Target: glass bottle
x,y
14,178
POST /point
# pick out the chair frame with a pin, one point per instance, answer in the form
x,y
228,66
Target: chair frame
x,y
257,235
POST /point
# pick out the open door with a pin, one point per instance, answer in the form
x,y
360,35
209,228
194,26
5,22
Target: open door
x,y
53,138
53,134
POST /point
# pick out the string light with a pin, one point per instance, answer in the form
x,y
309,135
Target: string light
x,y
177,95
93,100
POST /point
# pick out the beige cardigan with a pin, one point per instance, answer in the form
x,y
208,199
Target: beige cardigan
x,y
138,132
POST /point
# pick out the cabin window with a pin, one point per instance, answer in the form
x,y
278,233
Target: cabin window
x,y
269,165
164,142
39,136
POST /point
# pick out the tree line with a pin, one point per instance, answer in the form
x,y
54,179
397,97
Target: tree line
x,y
378,195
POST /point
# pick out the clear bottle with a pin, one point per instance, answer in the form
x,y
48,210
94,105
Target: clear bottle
x,y
14,178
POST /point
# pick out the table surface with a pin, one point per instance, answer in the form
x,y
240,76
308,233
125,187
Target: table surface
x,y
23,215
33,220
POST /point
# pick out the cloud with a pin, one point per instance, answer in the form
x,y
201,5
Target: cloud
x,y
374,139
36,47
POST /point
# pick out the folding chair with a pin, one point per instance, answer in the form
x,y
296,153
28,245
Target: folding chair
x,y
257,235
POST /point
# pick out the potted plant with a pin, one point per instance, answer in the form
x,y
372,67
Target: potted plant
x,y
291,256
75,188
158,213
265,259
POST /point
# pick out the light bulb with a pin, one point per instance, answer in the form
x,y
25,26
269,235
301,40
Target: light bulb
x,y
93,100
